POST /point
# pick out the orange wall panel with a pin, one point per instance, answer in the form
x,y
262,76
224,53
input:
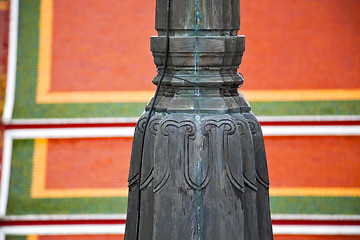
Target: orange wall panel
x,y
301,44
313,161
102,45
88,163
105,45
296,161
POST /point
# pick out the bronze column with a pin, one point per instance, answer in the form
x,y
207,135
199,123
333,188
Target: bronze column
x,y
203,164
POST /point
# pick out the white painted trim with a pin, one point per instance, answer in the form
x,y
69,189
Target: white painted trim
x,y
309,118
129,132
70,217
71,132
5,173
314,217
2,236
123,217
12,60
311,130
77,229
36,121
316,230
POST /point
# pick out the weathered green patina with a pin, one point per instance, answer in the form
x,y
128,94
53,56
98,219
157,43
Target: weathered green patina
x,y
203,171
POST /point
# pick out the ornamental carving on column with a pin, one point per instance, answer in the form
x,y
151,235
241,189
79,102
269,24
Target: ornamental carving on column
x,y
203,165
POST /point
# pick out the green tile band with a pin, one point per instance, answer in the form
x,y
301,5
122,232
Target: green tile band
x,y
306,108
315,205
15,238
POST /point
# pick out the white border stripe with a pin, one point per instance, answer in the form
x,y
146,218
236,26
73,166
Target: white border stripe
x,y
78,229
5,173
305,118
123,217
311,130
71,132
36,121
316,230
129,132
12,55
314,217
309,118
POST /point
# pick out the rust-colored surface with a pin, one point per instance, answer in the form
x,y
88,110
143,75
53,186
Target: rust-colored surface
x,y
301,44
4,21
314,161
291,46
102,45
303,162
88,163
4,33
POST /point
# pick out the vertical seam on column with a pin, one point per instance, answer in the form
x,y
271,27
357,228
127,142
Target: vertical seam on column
x,y
197,48
196,66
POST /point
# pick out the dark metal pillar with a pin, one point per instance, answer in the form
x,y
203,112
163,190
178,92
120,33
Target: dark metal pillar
x,y
204,172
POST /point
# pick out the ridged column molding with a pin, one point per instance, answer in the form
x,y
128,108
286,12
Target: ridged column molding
x,y
204,173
